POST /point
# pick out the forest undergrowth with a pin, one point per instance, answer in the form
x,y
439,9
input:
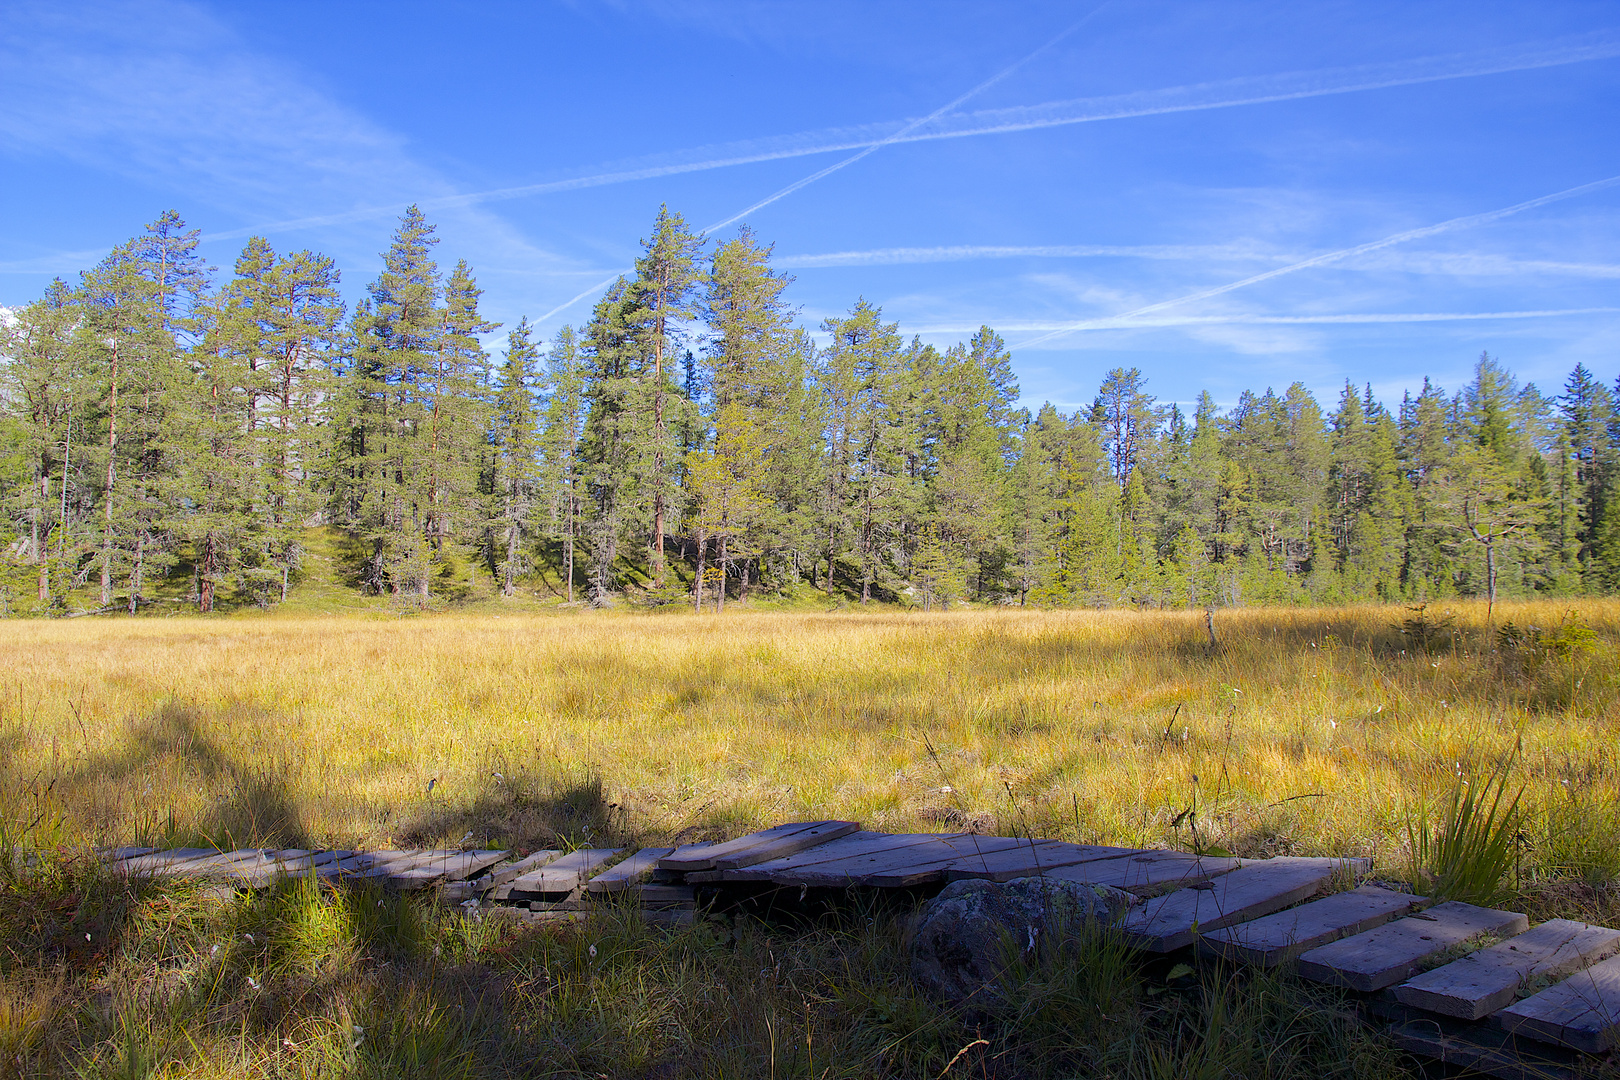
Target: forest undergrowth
x,y
1378,731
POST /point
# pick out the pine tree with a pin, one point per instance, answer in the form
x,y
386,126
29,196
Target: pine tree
x,y
517,438
559,454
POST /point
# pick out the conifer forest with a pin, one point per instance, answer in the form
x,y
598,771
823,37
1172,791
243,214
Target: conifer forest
x,y
695,443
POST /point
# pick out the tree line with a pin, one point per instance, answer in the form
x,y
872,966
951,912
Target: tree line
x,y
693,443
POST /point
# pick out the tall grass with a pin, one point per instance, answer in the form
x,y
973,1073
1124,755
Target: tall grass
x,y
1307,732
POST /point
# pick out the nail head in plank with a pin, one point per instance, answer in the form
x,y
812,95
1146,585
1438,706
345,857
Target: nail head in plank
x,y
1169,922
1047,855
564,874
1150,870
1582,1012
705,859
845,847
1273,939
1392,953
784,846
624,874
1485,981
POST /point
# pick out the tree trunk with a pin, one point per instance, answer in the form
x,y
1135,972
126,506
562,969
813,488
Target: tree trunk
x,y
702,550
720,593
112,445
135,576
205,584
1490,583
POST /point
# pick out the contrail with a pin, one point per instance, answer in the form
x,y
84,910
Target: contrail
x,y
1277,320
898,136
853,158
1229,93
958,253
1345,253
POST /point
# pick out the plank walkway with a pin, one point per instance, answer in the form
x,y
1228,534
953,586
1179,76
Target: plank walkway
x,y
1463,984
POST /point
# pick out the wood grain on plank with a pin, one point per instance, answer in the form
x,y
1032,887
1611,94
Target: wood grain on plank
x,y
1485,981
1169,922
1481,1050
858,867
1582,1012
1394,952
930,862
439,866
1149,871
1275,939
564,874
705,859
781,847
623,874
1048,855
163,862
845,847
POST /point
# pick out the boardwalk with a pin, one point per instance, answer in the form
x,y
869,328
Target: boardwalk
x,y
1466,985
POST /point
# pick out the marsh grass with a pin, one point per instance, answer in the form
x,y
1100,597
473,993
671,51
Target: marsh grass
x,y
1468,851
1306,732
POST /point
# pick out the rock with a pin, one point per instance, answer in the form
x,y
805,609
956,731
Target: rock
x,y
959,950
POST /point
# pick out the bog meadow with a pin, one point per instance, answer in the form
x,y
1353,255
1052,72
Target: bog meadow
x,y
283,574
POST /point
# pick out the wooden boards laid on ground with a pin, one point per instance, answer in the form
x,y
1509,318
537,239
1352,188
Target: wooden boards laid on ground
x,y
1394,952
1484,981
1276,939
1173,921
1582,1012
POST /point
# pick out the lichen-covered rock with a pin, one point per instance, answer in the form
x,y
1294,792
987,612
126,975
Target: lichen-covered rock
x,y
961,945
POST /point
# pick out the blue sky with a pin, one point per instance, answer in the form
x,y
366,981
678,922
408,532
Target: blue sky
x,y
1091,180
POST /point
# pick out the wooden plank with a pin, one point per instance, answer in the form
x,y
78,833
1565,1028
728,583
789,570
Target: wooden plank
x,y
1485,981
705,859
1481,1050
1049,855
220,863
1170,922
119,854
856,868
779,848
631,871
1275,939
1148,872
665,896
497,883
845,847
259,872
564,874
438,865
163,862
364,863
1582,1012
1394,952
928,862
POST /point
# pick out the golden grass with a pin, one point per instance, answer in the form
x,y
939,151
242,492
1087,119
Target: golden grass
x,y
1311,731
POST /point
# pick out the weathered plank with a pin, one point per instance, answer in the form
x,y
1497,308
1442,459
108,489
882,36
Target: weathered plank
x,y
845,847
221,864
929,862
665,896
1582,1012
1046,855
1484,981
257,873
1275,939
1393,953
496,882
364,863
1167,923
163,862
564,874
779,848
854,869
447,866
705,858
628,872
1147,872
119,854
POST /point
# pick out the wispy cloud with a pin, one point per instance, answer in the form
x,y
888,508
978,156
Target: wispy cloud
x,y
196,106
